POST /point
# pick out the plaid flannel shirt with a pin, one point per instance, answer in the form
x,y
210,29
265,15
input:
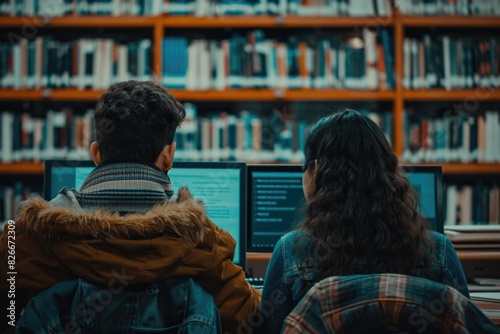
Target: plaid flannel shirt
x,y
382,303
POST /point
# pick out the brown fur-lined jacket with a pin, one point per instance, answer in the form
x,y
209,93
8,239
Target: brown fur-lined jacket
x,y
172,239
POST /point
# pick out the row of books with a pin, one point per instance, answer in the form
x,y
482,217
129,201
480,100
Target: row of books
x,y
50,8
452,138
298,62
82,63
10,198
449,7
476,203
279,7
215,136
451,63
59,135
54,8
249,136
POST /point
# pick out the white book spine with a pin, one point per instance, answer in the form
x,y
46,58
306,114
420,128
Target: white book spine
x,y
205,66
491,145
7,123
371,58
447,66
407,63
451,205
192,71
17,59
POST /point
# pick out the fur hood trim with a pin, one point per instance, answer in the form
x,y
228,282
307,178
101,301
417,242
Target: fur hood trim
x,y
184,218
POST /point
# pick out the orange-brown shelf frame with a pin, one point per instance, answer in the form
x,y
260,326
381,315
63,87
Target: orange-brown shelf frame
x,y
161,25
448,168
70,21
21,168
450,21
212,95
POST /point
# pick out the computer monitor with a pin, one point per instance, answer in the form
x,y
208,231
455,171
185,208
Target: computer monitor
x,y
276,199
275,202
64,173
427,181
220,185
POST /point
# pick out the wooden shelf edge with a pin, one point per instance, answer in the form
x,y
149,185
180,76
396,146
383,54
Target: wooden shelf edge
x,y
451,21
268,21
462,168
21,168
51,94
93,21
478,95
211,95
457,168
282,95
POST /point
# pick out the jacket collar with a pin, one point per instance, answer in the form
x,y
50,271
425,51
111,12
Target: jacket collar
x,y
184,217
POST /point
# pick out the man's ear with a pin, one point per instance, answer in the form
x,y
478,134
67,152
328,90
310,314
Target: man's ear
x,y
95,153
166,158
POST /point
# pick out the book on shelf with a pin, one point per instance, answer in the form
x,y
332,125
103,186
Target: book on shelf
x,y
195,7
279,7
210,136
451,62
10,198
472,204
452,138
248,136
46,8
253,61
45,62
449,7
59,135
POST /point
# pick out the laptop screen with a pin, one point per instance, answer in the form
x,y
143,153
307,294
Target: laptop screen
x,y
276,201
220,185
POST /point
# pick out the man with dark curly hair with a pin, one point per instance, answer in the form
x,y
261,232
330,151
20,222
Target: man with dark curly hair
x,y
124,231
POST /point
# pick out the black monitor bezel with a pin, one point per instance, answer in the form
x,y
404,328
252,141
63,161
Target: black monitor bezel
x,y
438,171
251,168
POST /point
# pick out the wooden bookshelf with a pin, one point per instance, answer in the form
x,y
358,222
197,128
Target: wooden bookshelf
x,y
452,95
463,168
78,22
21,168
160,26
229,95
282,95
50,94
267,21
450,22
448,168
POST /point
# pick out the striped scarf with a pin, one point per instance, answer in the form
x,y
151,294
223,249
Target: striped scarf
x,y
124,187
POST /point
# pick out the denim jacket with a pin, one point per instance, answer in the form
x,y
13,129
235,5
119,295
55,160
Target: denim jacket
x,y
176,305
289,275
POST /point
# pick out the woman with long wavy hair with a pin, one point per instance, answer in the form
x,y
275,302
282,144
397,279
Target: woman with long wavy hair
x,y
362,218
